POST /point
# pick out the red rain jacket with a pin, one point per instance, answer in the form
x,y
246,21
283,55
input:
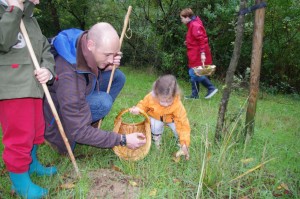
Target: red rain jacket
x,y
196,43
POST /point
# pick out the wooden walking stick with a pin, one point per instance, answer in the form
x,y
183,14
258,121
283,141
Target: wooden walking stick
x,y
126,20
48,96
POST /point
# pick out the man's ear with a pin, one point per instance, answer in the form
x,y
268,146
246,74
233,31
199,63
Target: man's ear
x,y
90,44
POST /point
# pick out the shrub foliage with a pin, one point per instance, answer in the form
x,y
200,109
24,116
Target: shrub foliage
x,y
157,35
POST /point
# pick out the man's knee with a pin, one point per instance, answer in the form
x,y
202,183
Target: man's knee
x,y
102,106
106,105
120,77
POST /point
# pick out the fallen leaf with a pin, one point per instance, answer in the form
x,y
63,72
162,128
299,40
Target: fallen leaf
x,y
153,192
208,156
244,197
3,171
283,185
176,159
277,195
115,168
132,183
246,161
179,153
176,180
67,186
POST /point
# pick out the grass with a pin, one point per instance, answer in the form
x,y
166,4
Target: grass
x,y
268,166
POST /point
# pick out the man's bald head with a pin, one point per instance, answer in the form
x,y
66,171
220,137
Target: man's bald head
x,y
103,42
103,34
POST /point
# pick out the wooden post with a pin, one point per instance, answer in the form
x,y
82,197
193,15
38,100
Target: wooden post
x,y
255,69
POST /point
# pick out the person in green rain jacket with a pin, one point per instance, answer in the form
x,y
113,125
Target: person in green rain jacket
x,y
21,95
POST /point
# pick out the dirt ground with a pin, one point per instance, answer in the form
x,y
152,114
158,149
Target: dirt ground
x,y
107,183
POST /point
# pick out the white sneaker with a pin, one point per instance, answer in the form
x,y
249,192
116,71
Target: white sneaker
x,y
211,93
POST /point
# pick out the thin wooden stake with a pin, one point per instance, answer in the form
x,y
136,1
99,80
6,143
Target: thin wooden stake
x,y
126,20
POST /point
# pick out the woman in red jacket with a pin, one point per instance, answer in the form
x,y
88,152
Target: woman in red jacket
x,y
198,52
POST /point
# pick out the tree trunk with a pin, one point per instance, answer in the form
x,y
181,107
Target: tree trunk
x,y
230,72
255,69
55,16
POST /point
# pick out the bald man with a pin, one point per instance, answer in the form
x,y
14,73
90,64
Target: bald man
x,y
83,65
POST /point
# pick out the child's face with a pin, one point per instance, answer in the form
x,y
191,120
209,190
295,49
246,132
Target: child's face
x,y
165,100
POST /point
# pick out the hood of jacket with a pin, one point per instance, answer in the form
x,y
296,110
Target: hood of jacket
x,y
71,45
65,44
194,19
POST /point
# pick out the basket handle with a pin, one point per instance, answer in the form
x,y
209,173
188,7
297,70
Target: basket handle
x,y
127,110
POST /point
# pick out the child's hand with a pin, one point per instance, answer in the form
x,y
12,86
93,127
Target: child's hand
x,y
35,1
16,3
183,151
43,75
134,110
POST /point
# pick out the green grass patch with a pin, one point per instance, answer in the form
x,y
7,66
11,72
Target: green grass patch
x,y
265,167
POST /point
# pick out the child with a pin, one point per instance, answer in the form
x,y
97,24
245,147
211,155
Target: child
x,y
164,106
21,110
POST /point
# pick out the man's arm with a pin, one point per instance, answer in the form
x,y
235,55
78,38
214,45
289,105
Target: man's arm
x,y
76,115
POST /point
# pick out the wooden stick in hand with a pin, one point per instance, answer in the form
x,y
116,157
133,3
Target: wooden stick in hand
x,y
48,96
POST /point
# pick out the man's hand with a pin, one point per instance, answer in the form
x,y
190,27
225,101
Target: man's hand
x,y
135,140
134,110
43,75
117,59
116,62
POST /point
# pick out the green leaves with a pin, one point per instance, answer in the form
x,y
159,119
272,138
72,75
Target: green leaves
x,y
158,35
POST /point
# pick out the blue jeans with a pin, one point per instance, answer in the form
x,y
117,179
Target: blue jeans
x,y
101,102
195,80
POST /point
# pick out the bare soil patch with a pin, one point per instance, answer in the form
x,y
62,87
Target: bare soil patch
x,y
107,183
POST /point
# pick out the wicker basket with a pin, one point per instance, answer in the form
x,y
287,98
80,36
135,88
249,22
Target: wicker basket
x,y
124,128
206,70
